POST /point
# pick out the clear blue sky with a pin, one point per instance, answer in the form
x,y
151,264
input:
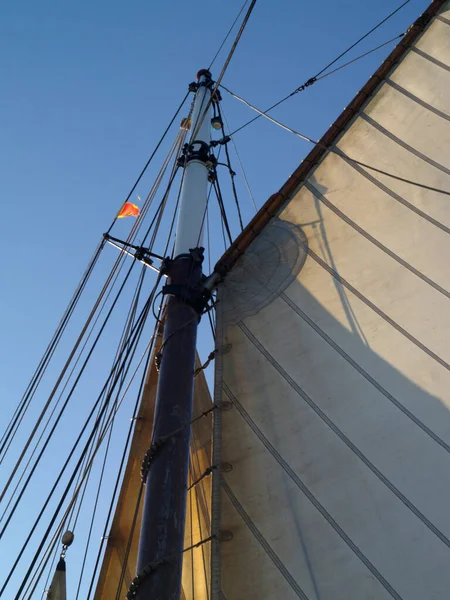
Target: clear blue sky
x,y
88,88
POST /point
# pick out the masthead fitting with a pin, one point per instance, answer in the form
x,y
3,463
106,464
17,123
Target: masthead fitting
x,y
203,73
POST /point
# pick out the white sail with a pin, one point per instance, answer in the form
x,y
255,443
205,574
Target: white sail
x,y
334,370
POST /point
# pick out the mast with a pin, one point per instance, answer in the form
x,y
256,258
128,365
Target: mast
x,y
165,466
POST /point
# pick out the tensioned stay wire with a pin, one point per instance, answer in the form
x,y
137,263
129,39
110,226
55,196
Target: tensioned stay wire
x,y
336,150
227,35
115,271
40,371
316,77
134,338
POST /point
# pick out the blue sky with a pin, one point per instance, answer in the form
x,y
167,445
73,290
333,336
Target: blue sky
x,y
88,88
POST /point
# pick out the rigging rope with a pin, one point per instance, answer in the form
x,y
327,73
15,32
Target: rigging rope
x,y
123,458
130,320
52,346
240,164
29,393
67,399
232,175
24,403
317,76
131,347
227,35
224,68
336,150
350,62
173,153
147,164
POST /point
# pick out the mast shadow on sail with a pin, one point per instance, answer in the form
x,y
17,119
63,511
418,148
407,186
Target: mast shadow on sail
x,y
339,450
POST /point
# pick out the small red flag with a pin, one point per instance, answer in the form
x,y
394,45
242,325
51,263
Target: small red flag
x,y
128,210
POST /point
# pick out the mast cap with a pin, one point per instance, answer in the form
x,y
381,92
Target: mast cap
x,y
203,73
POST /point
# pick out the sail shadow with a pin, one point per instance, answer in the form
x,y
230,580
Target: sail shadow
x,y
269,266
356,445
320,233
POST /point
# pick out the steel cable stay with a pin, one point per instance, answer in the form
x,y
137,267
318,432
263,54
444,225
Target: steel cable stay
x,y
227,35
131,317
50,570
122,461
147,164
222,210
61,394
124,453
247,184
109,424
124,336
20,411
114,273
320,74
99,313
131,347
106,429
311,81
57,403
336,150
224,69
70,394
232,174
129,541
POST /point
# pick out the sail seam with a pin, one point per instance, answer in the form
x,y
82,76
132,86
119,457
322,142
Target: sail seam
x,y
443,19
309,495
374,241
393,194
377,310
320,413
403,144
418,100
430,58
262,540
364,373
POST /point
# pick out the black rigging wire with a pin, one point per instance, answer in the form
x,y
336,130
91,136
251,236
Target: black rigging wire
x,y
124,336
222,209
156,217
123,458
126,332
115,268
68,398
152,155
316,77
227,35
232,174
337,151
240,164
76,492
350,62
129,541
225,67
49,353
130,348
361,38
22,407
